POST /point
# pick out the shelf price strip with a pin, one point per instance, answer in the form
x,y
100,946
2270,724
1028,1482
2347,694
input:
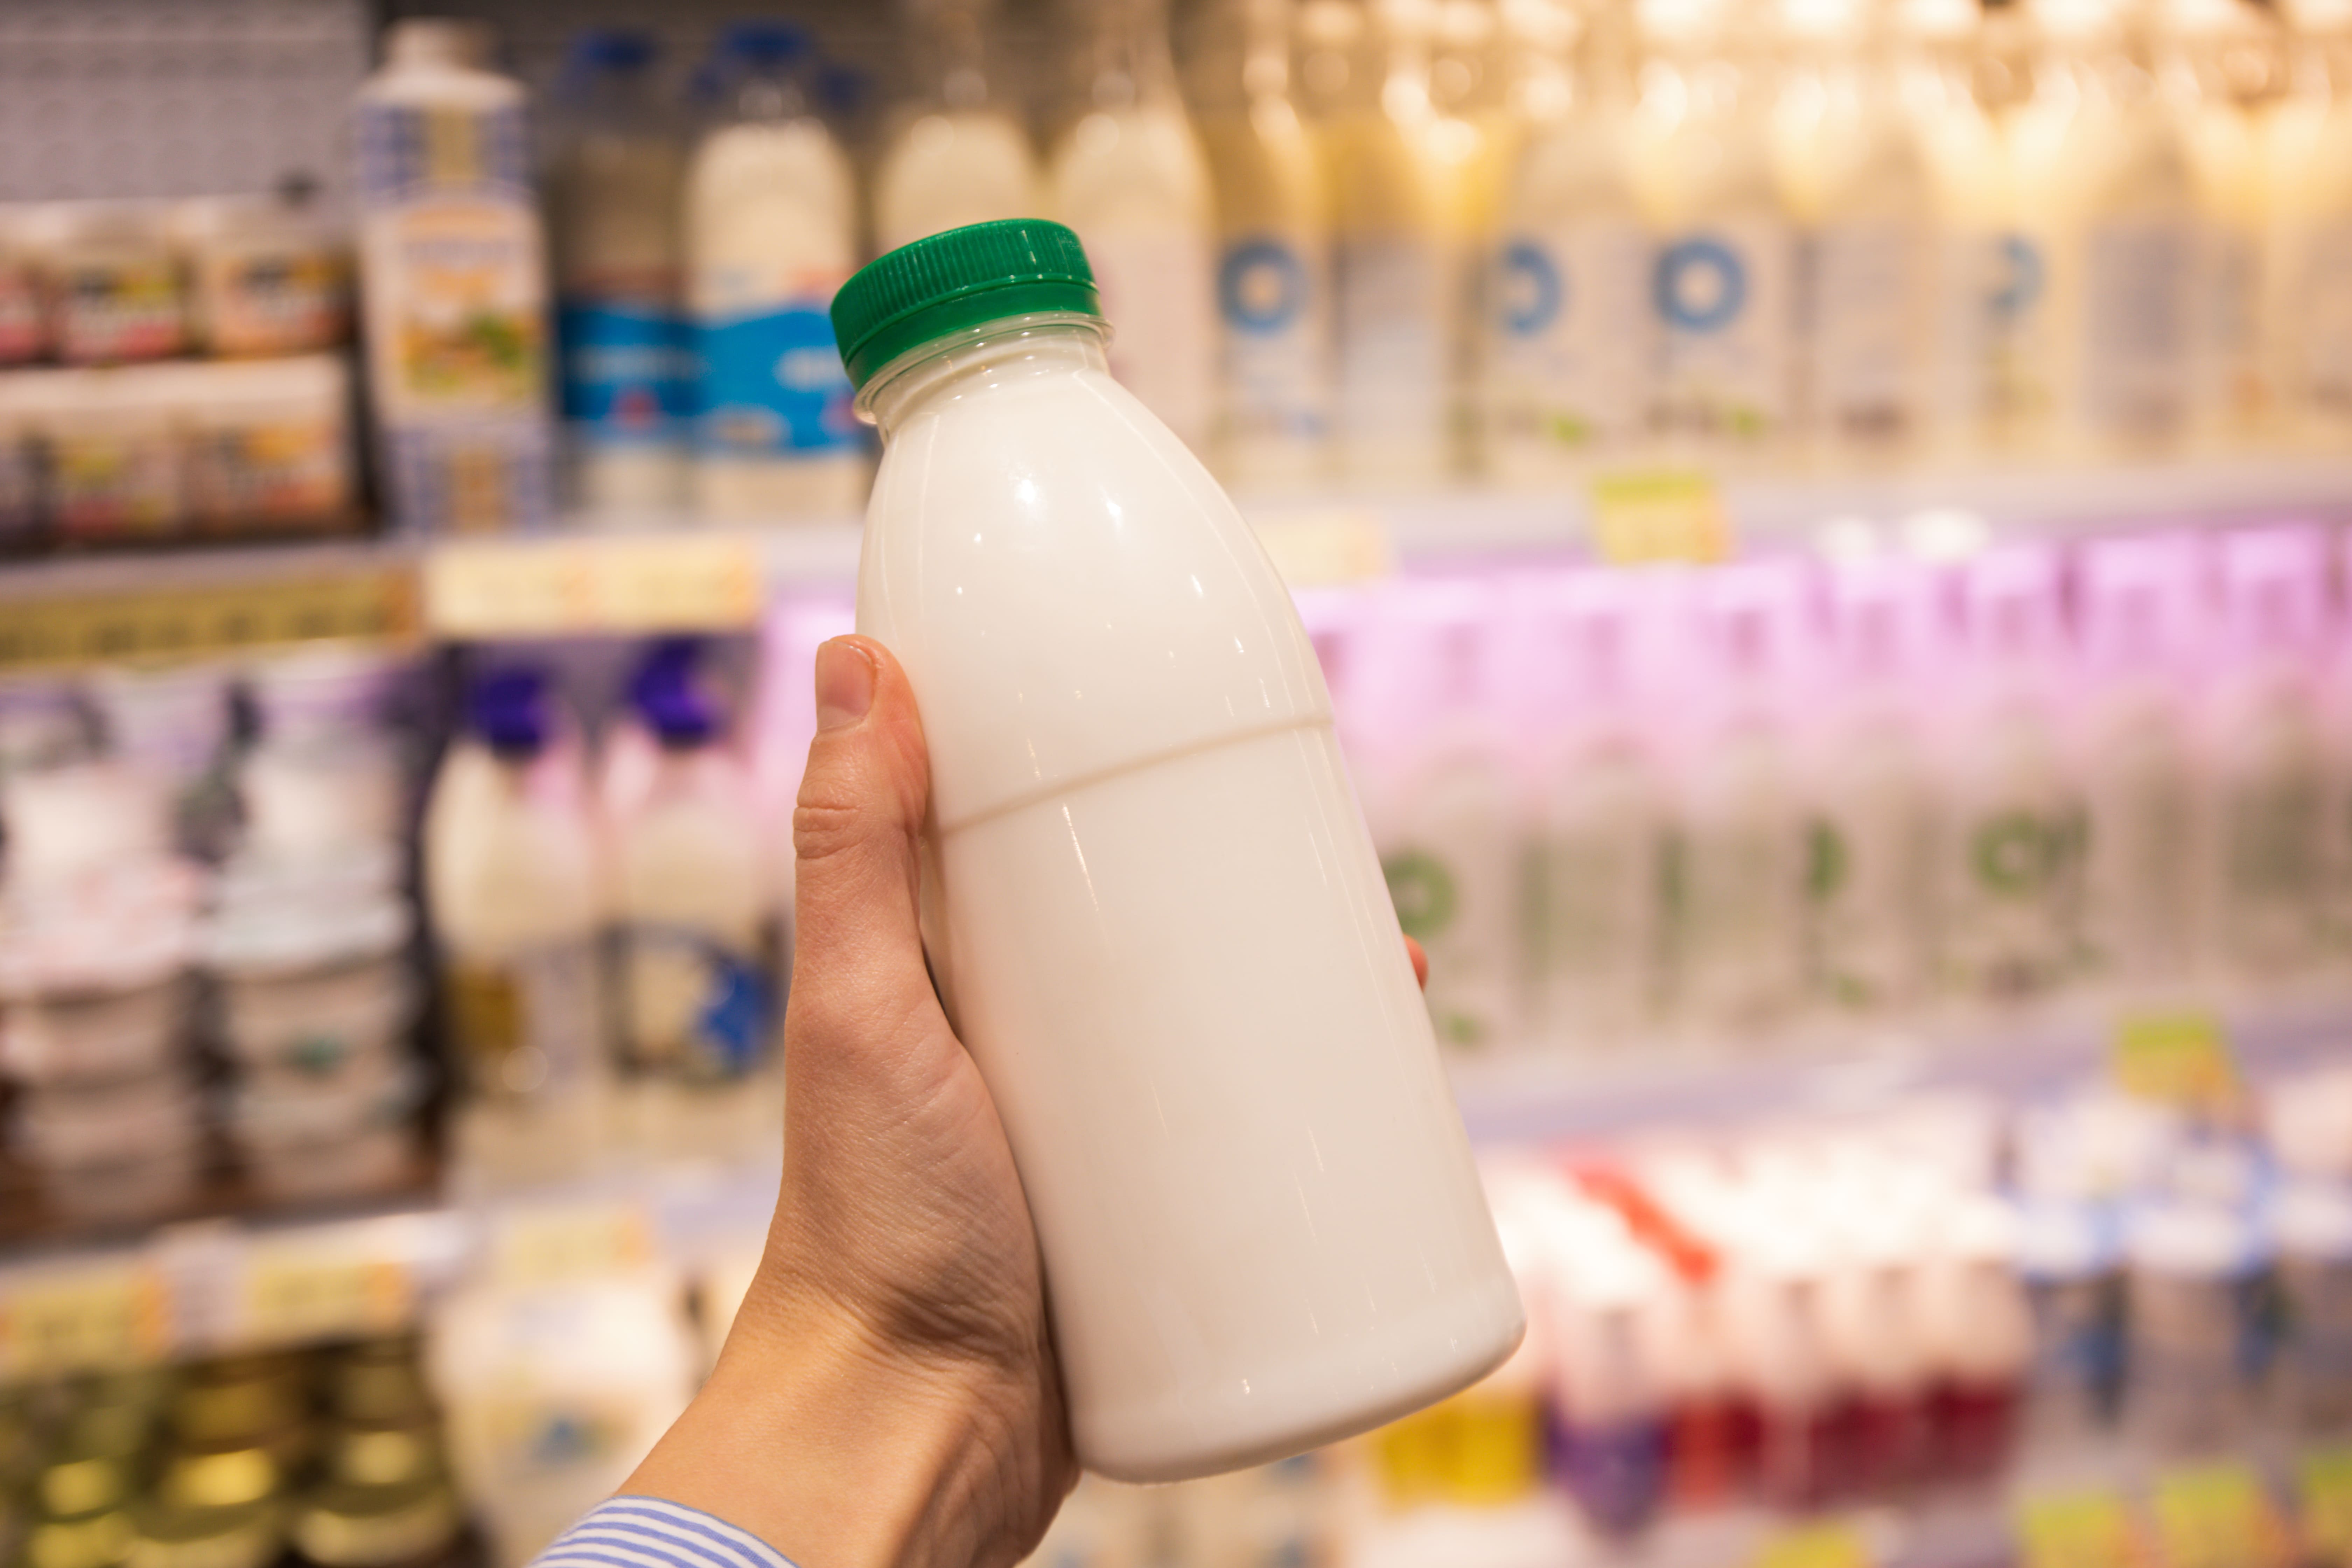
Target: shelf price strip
x,y
205,618
83,1318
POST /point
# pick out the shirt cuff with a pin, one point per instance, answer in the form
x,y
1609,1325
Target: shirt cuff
x,y
648,1532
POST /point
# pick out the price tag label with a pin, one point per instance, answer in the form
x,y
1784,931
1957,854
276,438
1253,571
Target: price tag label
x,y
2176,1058
543,1245
2323,1480
2218,1516
293,1293
2076,1529
1831,1543
1643,518
1322,548
203,619
84,1319
537,588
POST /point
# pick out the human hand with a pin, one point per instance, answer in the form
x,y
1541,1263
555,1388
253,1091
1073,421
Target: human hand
x,y
890,1394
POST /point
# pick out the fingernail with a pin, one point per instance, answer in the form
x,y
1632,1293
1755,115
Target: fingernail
x,y
844,684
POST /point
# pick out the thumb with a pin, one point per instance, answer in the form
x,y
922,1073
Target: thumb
x,y
858,953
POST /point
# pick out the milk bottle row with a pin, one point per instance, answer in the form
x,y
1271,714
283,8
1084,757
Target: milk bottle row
x,y
604,917
1405,242
1620,808
205,938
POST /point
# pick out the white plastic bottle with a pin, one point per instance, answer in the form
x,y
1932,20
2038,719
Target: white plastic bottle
x,y
696,1033
2138,605
1569,336
2009,861
1724,283
555,1387
453,285
2308,153
1396,263
1142,833
961,157
1129,176
1441,793
1871,847
2108,202
1854,175
1737,883
2268,828
1273,253
514,893
613,205
771,232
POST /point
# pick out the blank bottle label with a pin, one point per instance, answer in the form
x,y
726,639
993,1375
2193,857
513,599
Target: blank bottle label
x,y
1723,297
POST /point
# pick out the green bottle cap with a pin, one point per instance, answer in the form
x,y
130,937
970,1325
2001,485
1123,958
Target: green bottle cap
x,y
953,281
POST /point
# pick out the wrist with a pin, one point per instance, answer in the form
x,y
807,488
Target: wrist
x,y
842,1452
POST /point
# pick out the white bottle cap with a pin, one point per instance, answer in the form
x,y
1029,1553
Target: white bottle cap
x,y
442,41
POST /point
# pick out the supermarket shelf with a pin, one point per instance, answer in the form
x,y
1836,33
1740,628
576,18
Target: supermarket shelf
x,y
1531,1096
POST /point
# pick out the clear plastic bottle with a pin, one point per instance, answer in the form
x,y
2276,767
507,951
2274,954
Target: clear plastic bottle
x,y
2219,62
1140,828
2108,200
1274,250
771,232
1569,334
1397,263
1870,849
1736,931
1724,288
514,884
2137,606
453,285
2008,860
1856,179
2267,835
1441,795
1128,174
1594,872
2309,157
613,206
961,157
696,1035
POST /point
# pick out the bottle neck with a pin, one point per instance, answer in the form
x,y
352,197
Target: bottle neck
x,y
1125,56
1018,348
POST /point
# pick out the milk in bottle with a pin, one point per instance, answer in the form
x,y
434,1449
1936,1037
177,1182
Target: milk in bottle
x,y
1723,286
771,231
1570,337
2309,157
1274,260
1153,911
1128,175
962,156
613,206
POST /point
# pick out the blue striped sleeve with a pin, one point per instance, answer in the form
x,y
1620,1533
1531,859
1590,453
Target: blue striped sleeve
x,y
646,1533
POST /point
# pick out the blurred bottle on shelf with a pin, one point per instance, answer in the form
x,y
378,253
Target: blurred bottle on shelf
x,y
1855,176
1737,885
2009,862
962,156
1724,289
265,276
771,232
515,887
2269,839
1871,847
2137,754
2107,201
1397,255
1569,332
1129,175
2309,166
453,285
614,193
695,1036
1273,254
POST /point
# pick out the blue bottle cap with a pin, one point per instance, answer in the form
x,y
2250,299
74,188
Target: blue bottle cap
x,y
509,710
612,49
668,699
766,42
